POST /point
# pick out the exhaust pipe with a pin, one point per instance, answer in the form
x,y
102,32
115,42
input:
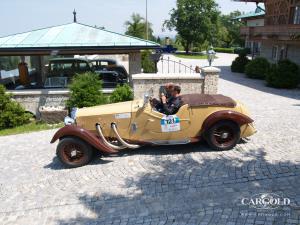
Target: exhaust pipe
x,y
99,130
114,127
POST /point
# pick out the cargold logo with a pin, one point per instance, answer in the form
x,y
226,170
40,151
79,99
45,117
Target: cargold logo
x,y
266,201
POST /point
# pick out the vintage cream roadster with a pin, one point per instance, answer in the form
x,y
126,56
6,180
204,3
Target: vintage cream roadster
x,y
217,119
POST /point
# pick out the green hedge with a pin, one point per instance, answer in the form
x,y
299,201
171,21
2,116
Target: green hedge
x,y
224,50
284,74
121,94
257,68
85,91
11,112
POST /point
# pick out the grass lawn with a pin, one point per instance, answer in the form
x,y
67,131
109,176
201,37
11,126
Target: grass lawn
x,y
27,128
184,56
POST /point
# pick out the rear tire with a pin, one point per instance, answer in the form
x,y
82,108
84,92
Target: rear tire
x,y
74,152
223,135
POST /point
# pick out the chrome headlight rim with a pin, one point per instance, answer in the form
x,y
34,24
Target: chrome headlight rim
x,y
73,113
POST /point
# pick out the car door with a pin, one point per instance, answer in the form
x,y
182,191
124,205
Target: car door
x,y
154,126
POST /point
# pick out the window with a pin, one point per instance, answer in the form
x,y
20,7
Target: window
x,y
282,53
296,15
275,53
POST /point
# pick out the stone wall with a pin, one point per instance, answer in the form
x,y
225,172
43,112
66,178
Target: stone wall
x,y
35,100
206,82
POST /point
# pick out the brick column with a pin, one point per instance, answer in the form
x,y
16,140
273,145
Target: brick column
x,y
211,79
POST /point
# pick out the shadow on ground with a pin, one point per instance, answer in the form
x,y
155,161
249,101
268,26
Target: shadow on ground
x,y
194,188
146,150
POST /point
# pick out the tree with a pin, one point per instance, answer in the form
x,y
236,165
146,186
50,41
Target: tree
x,y
137,27
195,21
230,30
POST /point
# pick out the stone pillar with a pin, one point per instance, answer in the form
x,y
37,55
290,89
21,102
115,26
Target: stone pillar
x,y
211,79
135,64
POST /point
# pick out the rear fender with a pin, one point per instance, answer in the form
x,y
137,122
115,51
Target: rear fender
x,y
230,115
85,135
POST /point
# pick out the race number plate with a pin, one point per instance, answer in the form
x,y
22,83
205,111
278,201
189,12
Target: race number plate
x,y
170,124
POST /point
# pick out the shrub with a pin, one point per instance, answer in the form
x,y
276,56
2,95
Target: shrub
x,y
121,94
86,90
11,112
224,50
239,64
257,68
284,74
147,64
243,51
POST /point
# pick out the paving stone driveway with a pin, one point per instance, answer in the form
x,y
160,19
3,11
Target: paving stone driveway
x,y
163,185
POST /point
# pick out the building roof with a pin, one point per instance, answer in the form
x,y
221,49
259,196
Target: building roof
x,y
73,35
257,13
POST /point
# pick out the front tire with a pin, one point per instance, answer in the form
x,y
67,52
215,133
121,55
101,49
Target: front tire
x,y
223,135
74,152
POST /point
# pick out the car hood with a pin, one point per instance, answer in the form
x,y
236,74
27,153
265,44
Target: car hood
x,y
116,108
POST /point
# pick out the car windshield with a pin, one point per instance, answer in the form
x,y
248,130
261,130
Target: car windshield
x,y
69,68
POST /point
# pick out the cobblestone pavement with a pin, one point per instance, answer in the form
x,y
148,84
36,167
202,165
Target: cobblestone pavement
x,y
163,185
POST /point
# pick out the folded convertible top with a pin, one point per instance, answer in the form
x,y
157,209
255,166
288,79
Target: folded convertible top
x,y
194,100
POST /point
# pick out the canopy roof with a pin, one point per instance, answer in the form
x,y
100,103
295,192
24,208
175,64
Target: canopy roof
x,y
259,12
73,37
250,15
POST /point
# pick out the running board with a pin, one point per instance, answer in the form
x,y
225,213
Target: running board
x,y
116,147
171,142
114,127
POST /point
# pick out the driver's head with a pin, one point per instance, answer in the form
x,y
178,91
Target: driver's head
x,y
176,91
169,89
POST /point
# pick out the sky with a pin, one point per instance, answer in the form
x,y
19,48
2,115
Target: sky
x,y
20,16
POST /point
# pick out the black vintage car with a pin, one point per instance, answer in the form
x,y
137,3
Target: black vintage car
x,y
61,71
110,65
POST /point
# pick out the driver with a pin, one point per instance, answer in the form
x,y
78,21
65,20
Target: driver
x,y
172,105
164,91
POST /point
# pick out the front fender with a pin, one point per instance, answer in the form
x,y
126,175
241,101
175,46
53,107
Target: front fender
x,y
85,135
234,116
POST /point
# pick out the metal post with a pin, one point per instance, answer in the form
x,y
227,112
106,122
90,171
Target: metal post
x,y
179,66
168,64
191,68
162,64
147,29
174,66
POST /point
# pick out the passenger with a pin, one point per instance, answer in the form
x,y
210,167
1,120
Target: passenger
x,y
172,105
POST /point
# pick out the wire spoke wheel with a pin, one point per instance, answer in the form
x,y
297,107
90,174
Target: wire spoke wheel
x,y
223,135
74,152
